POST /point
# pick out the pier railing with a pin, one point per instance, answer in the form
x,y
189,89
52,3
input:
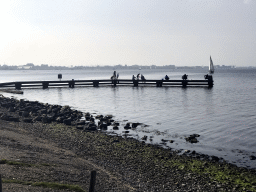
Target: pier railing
x,y
96,83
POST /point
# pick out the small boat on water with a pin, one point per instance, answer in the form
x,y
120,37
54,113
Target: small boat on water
x,y
211,68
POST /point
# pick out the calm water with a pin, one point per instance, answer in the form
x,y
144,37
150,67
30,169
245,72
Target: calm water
x,y
224,116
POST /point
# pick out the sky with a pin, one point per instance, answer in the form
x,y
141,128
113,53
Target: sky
x,y
128,32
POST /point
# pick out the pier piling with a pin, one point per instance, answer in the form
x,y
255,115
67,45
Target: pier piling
x,y
45,85
18,86
135,83
95,83
184,83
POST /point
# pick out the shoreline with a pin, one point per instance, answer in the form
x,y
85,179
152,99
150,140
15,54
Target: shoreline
x,y
122,164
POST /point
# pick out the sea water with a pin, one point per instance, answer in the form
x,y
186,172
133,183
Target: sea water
x,y
223,116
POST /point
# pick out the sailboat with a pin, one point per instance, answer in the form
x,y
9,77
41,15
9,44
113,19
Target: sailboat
x,y
211,68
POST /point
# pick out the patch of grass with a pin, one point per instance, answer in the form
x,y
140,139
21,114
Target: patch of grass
x,y
4,161
58,186
46,164
219,172
46,185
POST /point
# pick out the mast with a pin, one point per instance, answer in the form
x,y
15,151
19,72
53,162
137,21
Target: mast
x,y
211,68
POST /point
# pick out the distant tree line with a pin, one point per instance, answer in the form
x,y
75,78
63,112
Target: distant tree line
x,y
31,66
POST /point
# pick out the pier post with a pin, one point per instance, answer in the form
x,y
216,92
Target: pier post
x,y
159,83
135,83
184,83
95,83
72,83
18,86
45,85
114,82
210,81
93,181
0,183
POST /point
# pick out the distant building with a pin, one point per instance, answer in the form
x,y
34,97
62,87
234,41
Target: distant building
x,y
27,66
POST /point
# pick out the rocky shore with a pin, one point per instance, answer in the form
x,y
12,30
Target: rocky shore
x,y
54,148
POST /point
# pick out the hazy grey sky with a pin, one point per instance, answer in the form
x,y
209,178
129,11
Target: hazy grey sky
x,y
143,32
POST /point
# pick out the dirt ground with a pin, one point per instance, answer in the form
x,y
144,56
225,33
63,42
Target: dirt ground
x,y
42,160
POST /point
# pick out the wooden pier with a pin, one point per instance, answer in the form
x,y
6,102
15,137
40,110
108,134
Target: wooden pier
x,y
96,83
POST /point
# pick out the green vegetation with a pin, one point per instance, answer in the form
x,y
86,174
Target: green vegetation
x,y
4,161
45,185
220,172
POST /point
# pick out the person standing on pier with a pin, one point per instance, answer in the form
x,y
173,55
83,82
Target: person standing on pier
x,y
166,77
117,77
138,76
184,77
143,78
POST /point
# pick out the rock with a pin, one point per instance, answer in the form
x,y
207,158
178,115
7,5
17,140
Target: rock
x,y
88,118
16,119
25,114
45,119
171,141
37,118
252,157
67,121
108,116
116,124
27,120
81,122
11,109
108,122
87,115
43,111
134,125
195,135
103,126
5,117
192,138
215,158
91,128
103,119
80,127
60,119
144,138
125,132
115,128
127,126
99,116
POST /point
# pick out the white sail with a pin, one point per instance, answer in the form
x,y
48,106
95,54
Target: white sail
x,y
211,68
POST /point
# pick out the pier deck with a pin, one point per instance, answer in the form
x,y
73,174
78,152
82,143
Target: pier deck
x,y
96,83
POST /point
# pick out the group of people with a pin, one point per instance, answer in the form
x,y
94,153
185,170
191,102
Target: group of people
x,y
138,77
114,76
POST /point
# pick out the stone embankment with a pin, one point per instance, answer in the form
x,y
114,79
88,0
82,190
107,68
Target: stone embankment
x,y
51,143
